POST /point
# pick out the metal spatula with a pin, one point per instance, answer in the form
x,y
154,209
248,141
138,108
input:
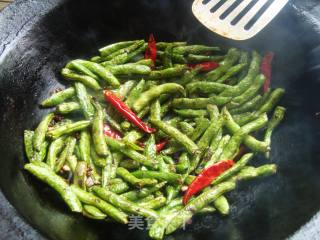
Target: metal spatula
x,y
236,19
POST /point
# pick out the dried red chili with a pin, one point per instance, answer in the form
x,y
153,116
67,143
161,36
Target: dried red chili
x,y
266,70
159,146
108,131
151,50
205,178
205,66
126,112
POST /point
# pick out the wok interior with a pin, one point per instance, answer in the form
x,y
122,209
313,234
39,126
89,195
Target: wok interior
x,y
269,208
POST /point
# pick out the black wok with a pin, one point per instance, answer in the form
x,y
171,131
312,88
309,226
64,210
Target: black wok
x,y
37,38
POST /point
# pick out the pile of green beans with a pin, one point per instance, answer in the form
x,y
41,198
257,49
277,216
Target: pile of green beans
x,y
205,117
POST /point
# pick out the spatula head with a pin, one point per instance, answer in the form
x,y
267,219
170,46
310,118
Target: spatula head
x,y
236,19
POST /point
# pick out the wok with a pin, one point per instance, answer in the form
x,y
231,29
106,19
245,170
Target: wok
x,y
37,38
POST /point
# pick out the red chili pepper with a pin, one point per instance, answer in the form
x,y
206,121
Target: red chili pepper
x,y
108,131
205,66
161,145
266,70
205,178
151,50
126,112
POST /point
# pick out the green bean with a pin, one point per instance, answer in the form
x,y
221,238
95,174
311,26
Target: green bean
x,y
89,198
186,128
80,174
135,93
99,142
199,103
111,48
178,58
155,203
129,164
184,163
40,132
117,158
248,94
153,93
72,162
120,146
190,146
84,146
132,137
56,182
247,81
213,112
128,177
231,72
68,128
28,136
194,206
130,48
248,106
101,72
93,212
41,155
231,57
88,81
234,169
125,126
191,113
106,171
84,100
155,110
221,204
277,117
126,56
193,58
248,173
161,176
188,76
67,151
233,145
146,62
171,193
271,101
118,188
129,69
67,107
167,56
124,89
267,106
142,193
202,125
217,153
206,87
123,203
210,133
215,141
249,141
59,97
167,73
113,123
54,149
150,150
163,45
194,49
74,65
207,209
244,59
96,159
